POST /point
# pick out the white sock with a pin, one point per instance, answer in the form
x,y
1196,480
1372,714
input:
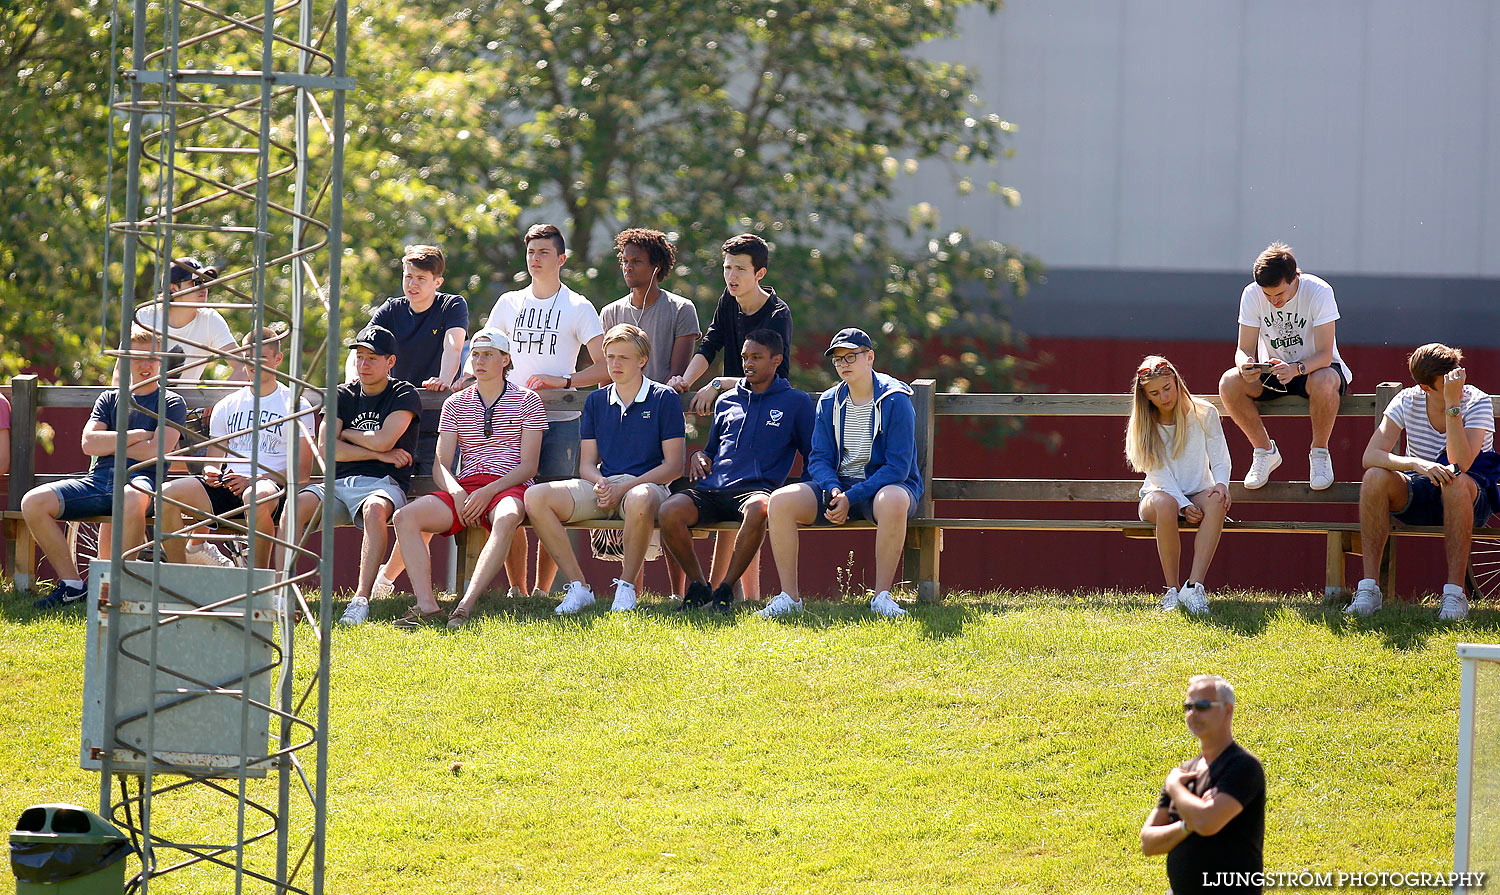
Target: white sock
x,y
1364,581
359,600
75,583
1453,589
381,579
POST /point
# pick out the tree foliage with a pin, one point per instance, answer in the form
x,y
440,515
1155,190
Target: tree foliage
x,y
793,119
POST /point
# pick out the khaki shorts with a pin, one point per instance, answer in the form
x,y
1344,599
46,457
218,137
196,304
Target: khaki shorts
x,y
586,505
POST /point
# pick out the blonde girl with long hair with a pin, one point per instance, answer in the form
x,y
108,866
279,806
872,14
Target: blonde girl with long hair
x,y
1177,441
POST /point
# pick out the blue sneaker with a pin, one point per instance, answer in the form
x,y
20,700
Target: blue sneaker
x,y
61,596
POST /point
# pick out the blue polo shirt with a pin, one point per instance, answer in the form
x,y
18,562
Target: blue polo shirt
x,y
629,436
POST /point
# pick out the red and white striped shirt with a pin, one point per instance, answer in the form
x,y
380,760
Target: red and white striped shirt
x,y
464,412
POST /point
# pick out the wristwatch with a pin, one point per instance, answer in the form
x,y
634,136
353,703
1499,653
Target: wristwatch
x,y
569,380
1301,368
1455,411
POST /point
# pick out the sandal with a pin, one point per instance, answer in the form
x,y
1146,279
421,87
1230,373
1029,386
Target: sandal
x,y
415,619
458,618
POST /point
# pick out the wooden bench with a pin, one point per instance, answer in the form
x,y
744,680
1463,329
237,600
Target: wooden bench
x,y
925,532
1342,538
28,397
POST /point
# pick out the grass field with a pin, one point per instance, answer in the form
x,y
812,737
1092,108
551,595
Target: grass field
x,y
1009,742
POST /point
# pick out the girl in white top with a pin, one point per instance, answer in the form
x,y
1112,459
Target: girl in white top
x,y
1178,442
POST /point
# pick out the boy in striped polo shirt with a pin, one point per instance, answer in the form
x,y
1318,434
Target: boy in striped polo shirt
x,y
1445,477
496,427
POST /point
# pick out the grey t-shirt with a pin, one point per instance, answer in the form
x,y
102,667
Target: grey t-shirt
x,y
664,320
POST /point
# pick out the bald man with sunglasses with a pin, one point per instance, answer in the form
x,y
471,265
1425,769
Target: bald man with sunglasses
x,y
1210,821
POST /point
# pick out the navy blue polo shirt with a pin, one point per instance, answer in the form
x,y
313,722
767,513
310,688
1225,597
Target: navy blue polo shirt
x,y
629,436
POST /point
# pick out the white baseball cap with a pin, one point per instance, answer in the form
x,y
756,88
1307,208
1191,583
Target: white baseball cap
x,y
490,337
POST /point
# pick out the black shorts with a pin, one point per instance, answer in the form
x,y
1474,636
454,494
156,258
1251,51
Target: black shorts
x,y
1424,502
864,510
224,502
1272,388
721,506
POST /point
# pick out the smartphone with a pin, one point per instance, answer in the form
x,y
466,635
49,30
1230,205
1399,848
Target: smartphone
x,y
1261,366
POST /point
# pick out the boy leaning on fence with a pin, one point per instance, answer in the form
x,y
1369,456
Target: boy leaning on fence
x,y
1446,476
45,506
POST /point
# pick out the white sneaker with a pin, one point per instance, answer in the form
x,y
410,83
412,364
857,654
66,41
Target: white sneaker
x,y
782,605
515,593
357,614
539,594
1194,599
882,604
1169,601
1320,469
382,589
624,597
1366,601
206,554
1262,466
1455,606
578,597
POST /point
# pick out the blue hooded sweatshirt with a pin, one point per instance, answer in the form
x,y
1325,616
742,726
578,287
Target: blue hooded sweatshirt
x,y
755,437
893,447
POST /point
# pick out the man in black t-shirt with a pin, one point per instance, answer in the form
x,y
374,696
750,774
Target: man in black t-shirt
x,y
375,430
1210,821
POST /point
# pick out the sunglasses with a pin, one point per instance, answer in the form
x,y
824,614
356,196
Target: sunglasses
x,y
845,360
489,412
1199,705
1150,372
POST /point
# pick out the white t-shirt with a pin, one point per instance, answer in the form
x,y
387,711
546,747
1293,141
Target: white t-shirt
x,y
1409,411
545,334
234,414
1287,332
206,328
1203,463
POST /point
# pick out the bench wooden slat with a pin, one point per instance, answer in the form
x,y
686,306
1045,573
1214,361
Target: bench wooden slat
x,y
1125,490
1024,404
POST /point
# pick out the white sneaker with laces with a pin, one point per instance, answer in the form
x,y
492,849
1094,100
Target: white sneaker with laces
x,y
1455,605
515,593
539,594
1366,601
1169,600
1194,599
1261,467
624,597
382,589
357,613
578,597
883,604
1320,469
206,554
782,605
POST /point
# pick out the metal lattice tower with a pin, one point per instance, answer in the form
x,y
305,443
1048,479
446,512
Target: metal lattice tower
x,y
234,113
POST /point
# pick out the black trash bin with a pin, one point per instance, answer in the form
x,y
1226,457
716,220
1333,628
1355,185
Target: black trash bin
x,y
67,850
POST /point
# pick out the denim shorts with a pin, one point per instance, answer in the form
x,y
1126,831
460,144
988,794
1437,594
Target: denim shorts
x,y
350,494
93,494
1424,502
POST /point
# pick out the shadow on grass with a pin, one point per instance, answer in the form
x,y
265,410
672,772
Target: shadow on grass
x,y
1401,625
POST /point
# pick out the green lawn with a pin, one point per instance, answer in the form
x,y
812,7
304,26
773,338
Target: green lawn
x,y
1010,742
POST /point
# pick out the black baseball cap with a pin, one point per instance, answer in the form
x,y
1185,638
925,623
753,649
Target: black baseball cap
x,y
184,269
850,338
376,338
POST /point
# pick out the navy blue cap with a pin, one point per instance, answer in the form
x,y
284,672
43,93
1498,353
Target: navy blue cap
x,y
376,338
184,269
850,338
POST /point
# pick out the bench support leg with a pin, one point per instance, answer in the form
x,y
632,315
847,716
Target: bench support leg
x,y
1335,585
23,566
924,548
1388,570
468,544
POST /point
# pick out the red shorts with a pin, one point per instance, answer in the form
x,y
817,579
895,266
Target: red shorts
x,y
472,483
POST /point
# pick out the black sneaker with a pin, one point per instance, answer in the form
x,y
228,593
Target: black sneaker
x,y
698,596
61,596
724,597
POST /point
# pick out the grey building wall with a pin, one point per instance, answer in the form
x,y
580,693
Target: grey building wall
x,y
1162,138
